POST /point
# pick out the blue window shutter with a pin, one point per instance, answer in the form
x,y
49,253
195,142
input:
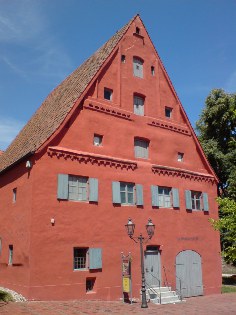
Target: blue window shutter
x,y
95,258
175,194
93,189
116,192
188,199
155,199
205,202
62,186
139,195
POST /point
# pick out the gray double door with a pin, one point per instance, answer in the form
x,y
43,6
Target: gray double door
x,y
152,267
189,273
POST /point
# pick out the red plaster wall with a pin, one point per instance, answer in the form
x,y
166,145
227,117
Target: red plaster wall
x,y
101,224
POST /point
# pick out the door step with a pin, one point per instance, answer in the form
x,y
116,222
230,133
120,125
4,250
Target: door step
x,y
162,295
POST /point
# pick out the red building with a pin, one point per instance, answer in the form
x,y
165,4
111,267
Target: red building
x,y
112,141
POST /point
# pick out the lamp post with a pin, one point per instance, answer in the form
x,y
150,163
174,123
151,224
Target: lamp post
x,y
150,227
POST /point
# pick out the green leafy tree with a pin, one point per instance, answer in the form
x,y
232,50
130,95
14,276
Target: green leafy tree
x,y
217,134
227,226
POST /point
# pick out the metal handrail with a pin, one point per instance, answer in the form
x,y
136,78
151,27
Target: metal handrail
x,y
180,284
153,290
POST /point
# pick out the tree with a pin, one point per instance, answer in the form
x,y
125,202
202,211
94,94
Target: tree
x,y
227,226
217,134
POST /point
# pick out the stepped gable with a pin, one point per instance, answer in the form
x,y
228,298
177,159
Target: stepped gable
x,y
50,115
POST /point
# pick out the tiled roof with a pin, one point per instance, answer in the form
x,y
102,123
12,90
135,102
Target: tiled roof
x,y
58,104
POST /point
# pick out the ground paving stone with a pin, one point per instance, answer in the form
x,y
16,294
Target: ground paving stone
x,y
219,304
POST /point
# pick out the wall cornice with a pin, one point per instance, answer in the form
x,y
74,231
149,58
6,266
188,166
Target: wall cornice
x,y
107,109
92,158
186,174
168,125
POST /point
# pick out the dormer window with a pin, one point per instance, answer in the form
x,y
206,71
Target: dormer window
x,y
168,112
107,94
138,67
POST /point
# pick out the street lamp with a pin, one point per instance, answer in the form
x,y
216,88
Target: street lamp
x,y
150,227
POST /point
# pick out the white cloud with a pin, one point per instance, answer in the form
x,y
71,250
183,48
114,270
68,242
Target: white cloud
x,y
29,47
9,128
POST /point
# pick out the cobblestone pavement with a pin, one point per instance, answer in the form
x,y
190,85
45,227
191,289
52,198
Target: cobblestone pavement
x,y
219,304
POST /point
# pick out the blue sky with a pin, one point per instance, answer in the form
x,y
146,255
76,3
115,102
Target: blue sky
x,y
43,41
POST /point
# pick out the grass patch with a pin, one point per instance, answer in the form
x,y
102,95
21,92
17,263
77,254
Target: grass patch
x,y
228,289
5,296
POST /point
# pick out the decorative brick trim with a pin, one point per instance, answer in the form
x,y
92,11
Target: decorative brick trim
x,y
169,126
109,110
85,157
171,171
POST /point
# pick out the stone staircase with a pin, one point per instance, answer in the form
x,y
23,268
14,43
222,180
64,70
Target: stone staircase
x,y
162,295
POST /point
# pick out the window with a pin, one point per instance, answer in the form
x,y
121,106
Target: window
x,y
165,197
87,258
77,188
10,258
180,157
138,67
141,148
90,282
168,112
137,30
97,140
107,94
14,195
123,58
196,200
152,70
0,245
80,258
127,193
138,105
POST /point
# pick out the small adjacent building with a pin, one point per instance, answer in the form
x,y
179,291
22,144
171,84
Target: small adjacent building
x,y
112,141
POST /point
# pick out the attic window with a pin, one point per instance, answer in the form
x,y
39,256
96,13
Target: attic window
x,y
137,31
180,157
123,58
97,140
152,70
168,112
107,94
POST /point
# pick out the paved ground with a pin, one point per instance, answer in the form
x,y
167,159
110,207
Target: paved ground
x,y
219,304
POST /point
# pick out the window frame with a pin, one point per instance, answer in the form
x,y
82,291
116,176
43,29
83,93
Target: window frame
x,y
108,94
138,104
81,185
196,200
180,157
14,191
84,258
141,148
10,255
138,67
100,139
165,200
124,191
168,110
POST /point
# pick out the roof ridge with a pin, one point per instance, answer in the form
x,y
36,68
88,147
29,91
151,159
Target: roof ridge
x,y
57,105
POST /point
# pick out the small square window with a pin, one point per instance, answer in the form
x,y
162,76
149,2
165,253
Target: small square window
x,y
123,58
180,157
90,282
97,140
152,70
14,195
107,94
168,112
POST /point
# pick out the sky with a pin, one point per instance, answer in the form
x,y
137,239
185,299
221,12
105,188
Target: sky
x,y
43,41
